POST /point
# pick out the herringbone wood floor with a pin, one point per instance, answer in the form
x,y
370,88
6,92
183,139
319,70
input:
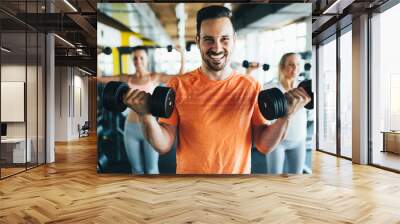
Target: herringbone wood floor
x,y
70,191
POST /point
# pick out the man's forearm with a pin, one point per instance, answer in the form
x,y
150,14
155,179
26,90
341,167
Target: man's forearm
x,y
156,134
270,136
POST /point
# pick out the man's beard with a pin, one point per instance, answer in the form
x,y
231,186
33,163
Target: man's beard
x,y
215,61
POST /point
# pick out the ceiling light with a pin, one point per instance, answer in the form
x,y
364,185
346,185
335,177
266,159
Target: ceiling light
x,y
86,72
228,5
334,8
5,50
64,40
70,5
79,51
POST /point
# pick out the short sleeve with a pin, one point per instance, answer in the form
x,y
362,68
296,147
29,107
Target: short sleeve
x,y
174,118
257,118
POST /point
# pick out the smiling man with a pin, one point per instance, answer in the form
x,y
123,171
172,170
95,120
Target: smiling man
x,y
216,114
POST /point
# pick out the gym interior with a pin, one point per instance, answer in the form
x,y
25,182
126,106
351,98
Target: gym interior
x,y
54,130
291,34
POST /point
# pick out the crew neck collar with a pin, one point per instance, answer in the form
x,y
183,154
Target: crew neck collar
x,y
205,77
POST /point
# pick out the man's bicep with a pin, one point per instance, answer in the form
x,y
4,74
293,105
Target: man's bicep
x,y
170,133
257,131
170,130
260,137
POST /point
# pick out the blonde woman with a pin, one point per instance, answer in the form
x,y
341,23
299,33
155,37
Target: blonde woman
x,y
293,146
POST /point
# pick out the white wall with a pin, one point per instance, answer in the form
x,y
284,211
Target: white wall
x,y
71,93
15,73
33,127
61,103
79,117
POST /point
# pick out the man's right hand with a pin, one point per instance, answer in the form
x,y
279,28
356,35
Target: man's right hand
x,y
297,98
137,100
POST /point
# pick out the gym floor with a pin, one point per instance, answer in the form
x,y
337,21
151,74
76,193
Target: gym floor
x,y
387,159
71,191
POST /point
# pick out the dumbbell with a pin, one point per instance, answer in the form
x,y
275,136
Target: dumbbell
x,y
307,67
247,64
105,50
161,102
169,48
273,103
187,47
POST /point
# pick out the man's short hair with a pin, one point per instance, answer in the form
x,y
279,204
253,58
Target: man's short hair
x,y
212,12
137,48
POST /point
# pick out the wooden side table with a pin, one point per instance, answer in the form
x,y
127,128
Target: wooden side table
x,y
391,141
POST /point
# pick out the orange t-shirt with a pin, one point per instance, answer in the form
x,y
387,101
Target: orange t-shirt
x,y
214,120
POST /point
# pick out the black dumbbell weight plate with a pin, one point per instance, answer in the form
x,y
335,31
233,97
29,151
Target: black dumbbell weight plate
x,y
281,104
263,101
307,67
306,84
119,94
272,103
162,102
169,48
245,64
109,95
107,50
265,67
